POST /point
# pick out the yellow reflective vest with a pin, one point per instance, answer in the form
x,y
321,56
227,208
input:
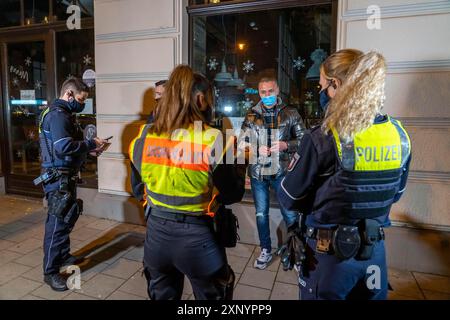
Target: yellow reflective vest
x,y
177,170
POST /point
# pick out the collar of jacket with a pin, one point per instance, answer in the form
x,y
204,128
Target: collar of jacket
x,y
63,104
259,109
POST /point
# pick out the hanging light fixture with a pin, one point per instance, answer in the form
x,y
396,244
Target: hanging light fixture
x,y
317,56
223,75
235,81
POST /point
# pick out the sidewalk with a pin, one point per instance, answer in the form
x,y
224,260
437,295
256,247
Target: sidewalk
x,y
113,268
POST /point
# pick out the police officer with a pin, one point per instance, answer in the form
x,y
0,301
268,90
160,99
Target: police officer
x,y
177,158
345,178
63,151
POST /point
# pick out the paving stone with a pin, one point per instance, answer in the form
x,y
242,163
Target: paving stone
x,y
136,285
119,295
283,291
100,286
258,278
433,282
10,271
244,292
17,288
123,268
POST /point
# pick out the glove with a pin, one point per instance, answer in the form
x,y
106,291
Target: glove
x,y
292,253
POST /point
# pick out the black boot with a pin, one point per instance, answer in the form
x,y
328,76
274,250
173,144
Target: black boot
x,y
56,282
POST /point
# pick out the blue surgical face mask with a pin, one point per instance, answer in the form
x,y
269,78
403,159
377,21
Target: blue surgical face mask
x,y
75,106
324,99
270,100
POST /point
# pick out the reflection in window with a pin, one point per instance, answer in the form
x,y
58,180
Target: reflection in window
x,y
36,11
75,58
27,97
237,50
9,13
60,8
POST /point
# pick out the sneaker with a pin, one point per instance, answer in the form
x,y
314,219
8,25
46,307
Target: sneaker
x,y
263,260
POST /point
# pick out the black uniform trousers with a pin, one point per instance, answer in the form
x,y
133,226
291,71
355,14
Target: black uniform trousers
x,y
56,238
174,249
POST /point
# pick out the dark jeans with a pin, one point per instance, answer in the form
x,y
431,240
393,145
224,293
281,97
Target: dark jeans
x,y
328,278
261,196
175,249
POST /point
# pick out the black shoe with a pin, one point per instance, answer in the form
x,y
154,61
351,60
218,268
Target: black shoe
x,y
72,260
56,282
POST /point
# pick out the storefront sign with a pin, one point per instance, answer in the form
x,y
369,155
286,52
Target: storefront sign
x,y
27,95
89,78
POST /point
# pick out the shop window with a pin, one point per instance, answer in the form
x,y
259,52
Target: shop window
x,y
10,13
28,97
75,58
236,50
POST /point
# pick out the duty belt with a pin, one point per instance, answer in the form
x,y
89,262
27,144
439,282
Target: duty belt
x,y
181,217
327,234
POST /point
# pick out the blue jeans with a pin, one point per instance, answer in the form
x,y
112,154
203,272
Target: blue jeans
x,y
261,196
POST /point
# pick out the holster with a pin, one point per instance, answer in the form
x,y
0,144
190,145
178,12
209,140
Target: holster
x,y
59,203
346,241
74,213
371,233
226,227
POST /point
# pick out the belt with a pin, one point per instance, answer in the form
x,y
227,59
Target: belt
x,y
327,234
181,217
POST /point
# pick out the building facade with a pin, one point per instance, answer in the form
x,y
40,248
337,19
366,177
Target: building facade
x,y
131,44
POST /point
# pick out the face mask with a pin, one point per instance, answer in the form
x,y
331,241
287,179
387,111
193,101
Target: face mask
x,y
207,114
270,100
75,106
324,99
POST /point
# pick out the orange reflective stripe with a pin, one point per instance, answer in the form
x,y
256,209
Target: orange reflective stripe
x,y
210,212
178,154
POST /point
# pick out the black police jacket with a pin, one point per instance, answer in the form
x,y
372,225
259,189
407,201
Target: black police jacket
x,y
61,142
312,168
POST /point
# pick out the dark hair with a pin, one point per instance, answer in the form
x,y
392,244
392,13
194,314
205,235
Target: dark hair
x,y
268,79
178,106
74,84
202,84
160,83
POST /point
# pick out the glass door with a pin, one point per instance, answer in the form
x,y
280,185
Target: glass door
x,y
28,89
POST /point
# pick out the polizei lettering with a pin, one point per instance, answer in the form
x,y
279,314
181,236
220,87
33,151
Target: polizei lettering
x,y
379,154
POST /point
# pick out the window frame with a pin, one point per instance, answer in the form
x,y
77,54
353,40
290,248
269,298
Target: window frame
x,y
47,32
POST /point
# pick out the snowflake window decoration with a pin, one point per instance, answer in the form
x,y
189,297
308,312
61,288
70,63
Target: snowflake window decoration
x,y
247,104
308,95
31,135
38,85
15,82
248,66
212,64
299,63
28,61
87,60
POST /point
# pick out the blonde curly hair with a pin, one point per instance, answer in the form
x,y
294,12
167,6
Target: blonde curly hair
x,y
359,99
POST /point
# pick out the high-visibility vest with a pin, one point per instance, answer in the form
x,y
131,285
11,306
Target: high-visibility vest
x,y
177,171
370,169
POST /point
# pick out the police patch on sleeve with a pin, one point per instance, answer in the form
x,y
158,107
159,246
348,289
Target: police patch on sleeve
x,y
293,162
